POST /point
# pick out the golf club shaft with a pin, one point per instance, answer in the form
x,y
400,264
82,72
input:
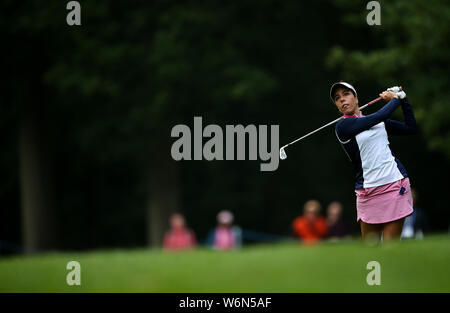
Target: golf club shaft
x,y
330,123
370,103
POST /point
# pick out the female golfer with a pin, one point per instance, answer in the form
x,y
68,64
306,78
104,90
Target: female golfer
x,y
383,194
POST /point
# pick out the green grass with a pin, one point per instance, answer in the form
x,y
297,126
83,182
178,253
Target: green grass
x,y
407,266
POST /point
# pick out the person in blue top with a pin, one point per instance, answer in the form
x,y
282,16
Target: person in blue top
x,y
383,193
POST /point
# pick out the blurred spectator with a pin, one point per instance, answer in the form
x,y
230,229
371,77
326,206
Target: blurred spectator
x,y
225,236
179,237
310,227
415,224
336,226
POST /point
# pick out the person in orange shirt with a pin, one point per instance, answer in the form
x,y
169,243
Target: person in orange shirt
x,y
311,226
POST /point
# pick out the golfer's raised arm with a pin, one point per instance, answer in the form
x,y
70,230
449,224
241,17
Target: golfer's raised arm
x,y
350,127
408,127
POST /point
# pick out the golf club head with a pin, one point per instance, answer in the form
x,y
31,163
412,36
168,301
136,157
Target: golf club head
x,y
282,154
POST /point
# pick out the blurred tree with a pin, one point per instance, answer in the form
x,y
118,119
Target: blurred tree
x,y
410,48
198,70
25,27
114,86
121,80
97,103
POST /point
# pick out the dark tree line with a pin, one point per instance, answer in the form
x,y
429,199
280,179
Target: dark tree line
x,y
87,111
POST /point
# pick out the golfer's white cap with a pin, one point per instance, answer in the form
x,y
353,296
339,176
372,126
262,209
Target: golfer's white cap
x,y
341,84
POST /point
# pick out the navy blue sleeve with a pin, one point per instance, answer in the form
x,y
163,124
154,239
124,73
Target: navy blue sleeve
x,y
409,126
349,127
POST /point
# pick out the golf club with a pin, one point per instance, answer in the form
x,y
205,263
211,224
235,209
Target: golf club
x,y
283,154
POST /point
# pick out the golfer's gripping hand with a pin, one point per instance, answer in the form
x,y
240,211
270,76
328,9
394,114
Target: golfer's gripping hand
x,y
388,95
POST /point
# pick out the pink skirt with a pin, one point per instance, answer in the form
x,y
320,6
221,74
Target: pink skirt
x,y
386,203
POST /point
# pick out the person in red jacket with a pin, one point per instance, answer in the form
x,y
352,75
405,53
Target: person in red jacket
x,y
179,237
311,226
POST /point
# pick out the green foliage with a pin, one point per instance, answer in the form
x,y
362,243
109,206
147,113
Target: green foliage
x,y
410,48
112,88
